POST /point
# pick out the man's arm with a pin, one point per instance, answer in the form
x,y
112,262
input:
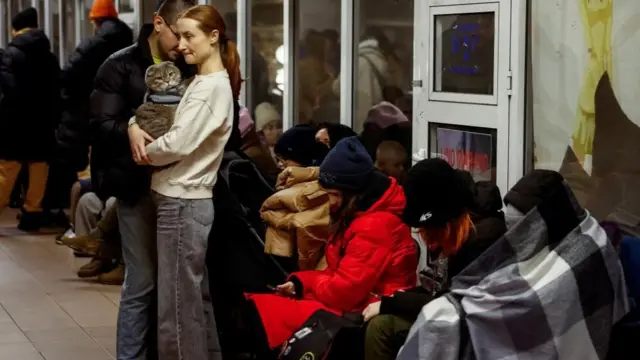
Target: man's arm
x,y
109,110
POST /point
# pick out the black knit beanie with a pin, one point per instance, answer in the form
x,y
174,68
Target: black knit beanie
x,y
299,144
27,18
436,194
347,167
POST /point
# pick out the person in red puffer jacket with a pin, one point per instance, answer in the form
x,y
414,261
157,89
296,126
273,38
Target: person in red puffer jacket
x,y
370,254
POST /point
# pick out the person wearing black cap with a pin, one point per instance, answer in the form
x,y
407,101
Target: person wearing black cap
x,y
29,111
297,147
370,252
329,134
458,219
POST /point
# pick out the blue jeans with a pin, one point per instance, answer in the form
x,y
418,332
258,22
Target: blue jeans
x,y
137,314
186,323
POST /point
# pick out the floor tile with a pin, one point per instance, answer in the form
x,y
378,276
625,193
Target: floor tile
x,y
19,351
46,312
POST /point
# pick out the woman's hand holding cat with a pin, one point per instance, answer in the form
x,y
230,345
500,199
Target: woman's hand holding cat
x,y
138,139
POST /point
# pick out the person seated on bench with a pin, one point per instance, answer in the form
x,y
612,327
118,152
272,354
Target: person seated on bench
x,y
468,219
297,216
370,252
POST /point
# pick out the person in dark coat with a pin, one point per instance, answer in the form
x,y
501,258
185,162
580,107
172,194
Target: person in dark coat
x,y
29,110
72,135
459,219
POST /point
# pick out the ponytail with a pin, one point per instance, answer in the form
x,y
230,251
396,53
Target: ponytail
x,y
231,61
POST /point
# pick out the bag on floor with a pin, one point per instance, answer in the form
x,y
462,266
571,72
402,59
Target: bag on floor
x,y
313,341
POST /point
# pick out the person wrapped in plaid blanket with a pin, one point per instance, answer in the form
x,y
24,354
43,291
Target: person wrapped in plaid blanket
x,y
551,287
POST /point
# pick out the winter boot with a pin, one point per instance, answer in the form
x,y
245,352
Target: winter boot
x,y
95,267
113,277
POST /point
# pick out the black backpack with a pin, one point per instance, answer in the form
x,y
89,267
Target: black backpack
x,y
325,336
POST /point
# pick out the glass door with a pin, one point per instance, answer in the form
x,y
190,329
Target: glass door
x,y
463,85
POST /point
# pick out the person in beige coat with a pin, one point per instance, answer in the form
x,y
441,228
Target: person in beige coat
x,y
297,217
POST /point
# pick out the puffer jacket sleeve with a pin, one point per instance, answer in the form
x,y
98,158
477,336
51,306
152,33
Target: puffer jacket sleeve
x,y
109,111
351,283
86,56
7,78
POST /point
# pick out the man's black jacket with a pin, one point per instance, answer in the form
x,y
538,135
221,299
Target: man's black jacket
x,y
77,84
30,104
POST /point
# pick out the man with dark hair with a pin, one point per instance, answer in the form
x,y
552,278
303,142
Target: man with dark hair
x,y
119,89
29,110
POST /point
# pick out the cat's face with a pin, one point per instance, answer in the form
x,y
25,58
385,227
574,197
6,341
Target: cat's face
x,y
163,76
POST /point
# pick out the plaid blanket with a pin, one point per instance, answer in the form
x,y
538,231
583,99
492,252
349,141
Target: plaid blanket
x,y
551,288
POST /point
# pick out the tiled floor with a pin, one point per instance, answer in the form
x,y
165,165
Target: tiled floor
x,y
46,312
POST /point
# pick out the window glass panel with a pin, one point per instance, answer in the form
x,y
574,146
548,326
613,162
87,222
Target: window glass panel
x,y
125,6
464,53
384,69
317,62
468,148
267,63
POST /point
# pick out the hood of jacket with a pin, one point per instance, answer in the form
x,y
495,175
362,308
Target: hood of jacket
x,y
114,28
297,217
383,195
294,175
486,214
32,42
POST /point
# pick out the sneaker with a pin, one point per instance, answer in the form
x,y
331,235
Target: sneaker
x,y
113,277
82,243
69,234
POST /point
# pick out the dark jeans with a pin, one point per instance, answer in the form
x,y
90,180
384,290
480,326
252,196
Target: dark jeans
x,y
384,337
186,322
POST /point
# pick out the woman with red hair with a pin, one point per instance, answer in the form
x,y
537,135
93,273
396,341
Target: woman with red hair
x,y
458,219
187,158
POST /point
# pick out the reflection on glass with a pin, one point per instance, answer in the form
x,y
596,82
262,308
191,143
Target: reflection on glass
x,y
317,62
466,148
384,58
125,6
266,83
464,53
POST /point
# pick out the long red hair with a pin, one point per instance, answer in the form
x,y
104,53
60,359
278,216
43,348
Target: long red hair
x,y
210,19
449,237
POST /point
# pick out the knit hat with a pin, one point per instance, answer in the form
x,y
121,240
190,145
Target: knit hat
x,y
385,114
265,113
436,194
348,166
103,9
27,18
245,122
299,144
